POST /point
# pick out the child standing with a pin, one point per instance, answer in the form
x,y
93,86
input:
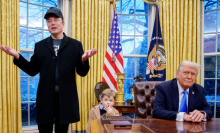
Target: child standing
x,y
105,108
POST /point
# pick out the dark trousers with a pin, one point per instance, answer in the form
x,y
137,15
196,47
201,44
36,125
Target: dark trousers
x,y
59,128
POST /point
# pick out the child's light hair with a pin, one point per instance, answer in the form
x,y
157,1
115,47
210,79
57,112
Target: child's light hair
x,y
108,92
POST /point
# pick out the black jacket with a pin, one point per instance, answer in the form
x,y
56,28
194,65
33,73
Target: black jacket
x,y
44,62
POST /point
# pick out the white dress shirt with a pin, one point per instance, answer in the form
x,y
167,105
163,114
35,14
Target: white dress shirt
x,y
179,116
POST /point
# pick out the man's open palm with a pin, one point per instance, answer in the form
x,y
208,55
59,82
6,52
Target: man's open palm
x,y
88,54
10,51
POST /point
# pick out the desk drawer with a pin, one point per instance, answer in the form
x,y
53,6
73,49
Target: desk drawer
x,y
125,110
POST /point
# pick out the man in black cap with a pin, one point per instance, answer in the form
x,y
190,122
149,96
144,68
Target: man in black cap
x,y
56,58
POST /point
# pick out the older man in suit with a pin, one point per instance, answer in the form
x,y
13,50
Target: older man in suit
x,y
181,99
56,58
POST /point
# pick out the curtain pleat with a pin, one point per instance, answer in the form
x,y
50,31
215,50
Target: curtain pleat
x,y
10,99
90,25
180,22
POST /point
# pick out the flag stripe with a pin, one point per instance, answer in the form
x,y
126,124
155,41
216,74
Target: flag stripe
x,y
115,65
110,67
109,78
114,48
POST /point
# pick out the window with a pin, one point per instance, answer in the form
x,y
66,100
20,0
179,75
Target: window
x,y
33,28
133,27
212,54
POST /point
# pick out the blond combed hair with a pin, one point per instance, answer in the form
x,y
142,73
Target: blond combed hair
x,y
190,64
108,92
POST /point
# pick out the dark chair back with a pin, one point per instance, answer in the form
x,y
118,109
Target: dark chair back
x,y
144,94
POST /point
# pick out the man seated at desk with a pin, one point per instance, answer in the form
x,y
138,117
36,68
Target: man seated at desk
x,y
181,99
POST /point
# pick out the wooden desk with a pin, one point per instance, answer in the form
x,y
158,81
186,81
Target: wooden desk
x,y
167,126
125,108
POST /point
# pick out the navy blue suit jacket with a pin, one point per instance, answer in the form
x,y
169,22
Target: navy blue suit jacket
x,y
166,102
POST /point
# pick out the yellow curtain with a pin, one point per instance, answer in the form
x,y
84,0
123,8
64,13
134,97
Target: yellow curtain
x,y
10,99
180,23
90,25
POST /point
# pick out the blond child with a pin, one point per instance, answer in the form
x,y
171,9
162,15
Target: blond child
x,y
105,108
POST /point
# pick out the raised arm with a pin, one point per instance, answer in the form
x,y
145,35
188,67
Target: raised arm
x,y
83,62
10,51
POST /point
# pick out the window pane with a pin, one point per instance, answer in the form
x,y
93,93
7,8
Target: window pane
x,y
33,114
23,14
209,90
30,55
129,66
218,45
141,45
211,104
46,34
50,3
141,25
127,84
24,89
35,16
25,55
209,43
39,2
33,84
218,90
141,7
217,110
45,23
127,25
141,64
210,4
33,37
210,65
218,20
210,18
24,0
128,45
118,6
24,111
218,66
23,38
127,6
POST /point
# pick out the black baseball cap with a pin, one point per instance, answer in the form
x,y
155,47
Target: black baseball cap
x,y
55,11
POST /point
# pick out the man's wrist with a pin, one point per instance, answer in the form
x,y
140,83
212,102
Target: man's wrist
x,y
204,115
17,56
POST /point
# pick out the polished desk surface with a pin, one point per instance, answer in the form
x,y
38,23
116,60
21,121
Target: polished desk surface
x,y
167,126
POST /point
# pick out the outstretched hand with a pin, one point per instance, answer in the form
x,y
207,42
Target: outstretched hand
x,y
10,51
88,54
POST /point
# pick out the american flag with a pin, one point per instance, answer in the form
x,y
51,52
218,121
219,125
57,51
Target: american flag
x,y
114,47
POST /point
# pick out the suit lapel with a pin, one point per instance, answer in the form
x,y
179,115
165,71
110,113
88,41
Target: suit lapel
x,y
49,44
191,99
175,95
64,42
